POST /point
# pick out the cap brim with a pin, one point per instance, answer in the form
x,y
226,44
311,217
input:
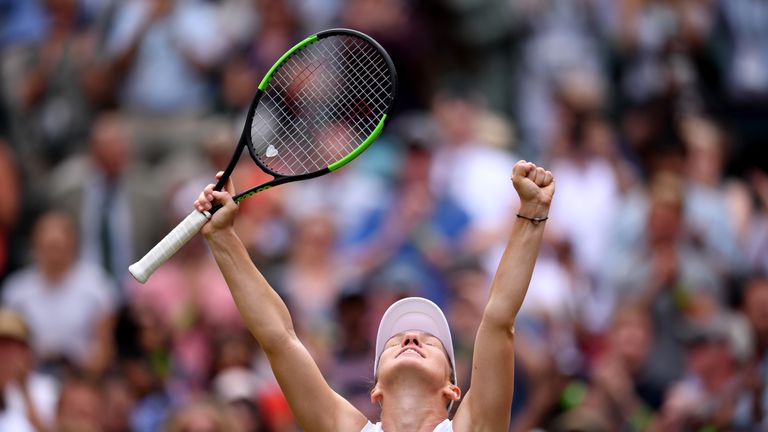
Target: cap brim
x,y
414,313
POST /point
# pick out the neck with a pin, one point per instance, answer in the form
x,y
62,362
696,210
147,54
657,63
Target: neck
x,y
405,410
55,274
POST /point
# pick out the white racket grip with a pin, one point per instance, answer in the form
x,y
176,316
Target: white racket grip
x,y
185,230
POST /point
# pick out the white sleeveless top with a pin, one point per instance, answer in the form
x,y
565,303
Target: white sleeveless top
x,y
445,426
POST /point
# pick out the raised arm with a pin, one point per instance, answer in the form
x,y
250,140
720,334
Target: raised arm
x,y
316,406
486,405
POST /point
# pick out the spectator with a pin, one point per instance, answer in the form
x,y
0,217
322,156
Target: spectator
x,y
751,199
185,301
147,388
468,170
705,396
69,303
561,49
753,409
250,397
312,279
422,228
79,408
246,417
468,282
22,27
117,404
584,172
163,53
348,370
27,398
10,203
109,194
200,416
619,387
55,89
665,274
707,209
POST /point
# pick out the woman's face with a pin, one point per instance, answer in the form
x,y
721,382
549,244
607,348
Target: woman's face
x,y
416,357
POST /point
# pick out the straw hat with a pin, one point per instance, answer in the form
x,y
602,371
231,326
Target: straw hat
x,y
13,326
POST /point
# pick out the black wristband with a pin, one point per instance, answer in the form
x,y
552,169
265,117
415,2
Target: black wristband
x,y
534,220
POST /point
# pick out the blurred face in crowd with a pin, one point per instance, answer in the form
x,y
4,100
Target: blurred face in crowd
x,y
79,408
54,242
704,145
664,222
711,360
234,352
631,337
62,12
110,145
200,417
199,422
417,165
456,118
315,237
665,216
756,306
16,358
117,405
245,416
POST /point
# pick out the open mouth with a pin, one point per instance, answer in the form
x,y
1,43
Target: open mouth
x,y
409,349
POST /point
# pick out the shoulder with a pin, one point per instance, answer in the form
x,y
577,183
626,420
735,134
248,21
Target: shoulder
x,y
18,283
72,174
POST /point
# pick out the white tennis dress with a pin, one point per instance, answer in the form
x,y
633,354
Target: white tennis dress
x,y
445,426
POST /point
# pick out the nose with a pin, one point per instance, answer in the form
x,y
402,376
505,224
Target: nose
x,y
411,339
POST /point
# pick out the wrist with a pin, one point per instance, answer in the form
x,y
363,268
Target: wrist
x,y
530,210
220,235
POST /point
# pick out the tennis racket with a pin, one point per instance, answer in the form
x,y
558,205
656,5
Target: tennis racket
x,y
321,105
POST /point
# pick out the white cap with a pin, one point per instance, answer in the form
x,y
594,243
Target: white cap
x,y
419,314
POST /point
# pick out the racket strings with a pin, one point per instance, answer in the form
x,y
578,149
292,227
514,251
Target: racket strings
x,y
320,105
323,114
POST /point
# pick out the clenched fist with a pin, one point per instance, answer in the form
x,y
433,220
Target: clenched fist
x,y
535,186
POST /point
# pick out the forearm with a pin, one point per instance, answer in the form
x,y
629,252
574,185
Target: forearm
x,y
315,405
510,284
127,57
262,310
101,354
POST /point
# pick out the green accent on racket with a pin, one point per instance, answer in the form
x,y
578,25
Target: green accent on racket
x,y
282,60
361,148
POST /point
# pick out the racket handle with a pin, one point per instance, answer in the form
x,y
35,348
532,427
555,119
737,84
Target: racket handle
x,y
185,230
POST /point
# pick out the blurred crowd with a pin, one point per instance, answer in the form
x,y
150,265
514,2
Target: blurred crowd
x,y
648,307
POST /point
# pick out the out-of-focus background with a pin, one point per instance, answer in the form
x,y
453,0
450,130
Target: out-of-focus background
x,y
648,309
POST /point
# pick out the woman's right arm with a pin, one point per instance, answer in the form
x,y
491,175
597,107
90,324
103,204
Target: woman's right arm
x,y
316,406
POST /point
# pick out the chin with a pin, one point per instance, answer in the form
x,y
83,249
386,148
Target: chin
x,y
414,370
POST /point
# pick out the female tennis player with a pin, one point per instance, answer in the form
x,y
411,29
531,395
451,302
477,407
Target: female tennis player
x,y
415,383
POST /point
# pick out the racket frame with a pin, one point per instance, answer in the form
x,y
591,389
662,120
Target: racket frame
x,y
245,140
187,228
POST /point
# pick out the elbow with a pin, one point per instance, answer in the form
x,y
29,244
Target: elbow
x,y
500,320
277,340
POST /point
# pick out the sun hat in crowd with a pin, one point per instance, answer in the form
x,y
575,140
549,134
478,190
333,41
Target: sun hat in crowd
x,y
13,326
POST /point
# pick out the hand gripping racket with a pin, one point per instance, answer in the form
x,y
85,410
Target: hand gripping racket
x,y
321,105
